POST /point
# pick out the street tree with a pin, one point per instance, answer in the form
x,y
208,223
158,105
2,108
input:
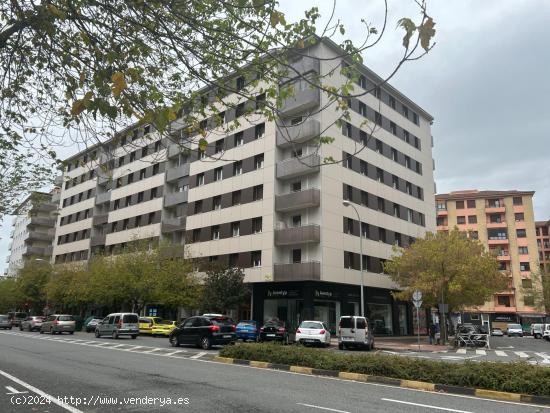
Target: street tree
x,y
31,281
78,72
10,298
447,267
536,290
223,289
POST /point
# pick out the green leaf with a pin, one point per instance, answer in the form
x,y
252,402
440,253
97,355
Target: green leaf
x,y
203,144
409,27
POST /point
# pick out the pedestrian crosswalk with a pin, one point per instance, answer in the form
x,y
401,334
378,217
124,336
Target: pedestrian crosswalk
x,y
496,353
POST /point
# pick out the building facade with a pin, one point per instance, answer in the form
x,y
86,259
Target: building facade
x,y
33,231
260,197
543,244
504,222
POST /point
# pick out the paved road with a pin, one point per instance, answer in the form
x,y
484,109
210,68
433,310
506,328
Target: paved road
x,y
100,373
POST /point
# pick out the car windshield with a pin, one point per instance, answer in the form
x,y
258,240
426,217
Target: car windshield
x,y
496,329
311,324
130,318
4,317
221,321
66,318
20,315
518,326
164,322
246,324
273,324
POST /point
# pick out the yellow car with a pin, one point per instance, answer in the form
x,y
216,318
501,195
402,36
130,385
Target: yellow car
x,y
163,328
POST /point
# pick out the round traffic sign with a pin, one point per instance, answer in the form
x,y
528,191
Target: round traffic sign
x,y
417,295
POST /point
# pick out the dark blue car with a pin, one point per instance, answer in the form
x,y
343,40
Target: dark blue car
x,y
247,330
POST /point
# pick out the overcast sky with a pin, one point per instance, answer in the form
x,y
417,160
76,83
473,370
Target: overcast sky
x,y
486,82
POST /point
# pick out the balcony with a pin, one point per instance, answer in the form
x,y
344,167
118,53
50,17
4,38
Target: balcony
x,y
56,197
173,224
44,206
497,240
31,251
290,135
302,66
175,198
98,239
308,198
495,224
301,101
38,236
301,271
491,208
173,150
58,180
48,251
102,198
42,221
177,172
310,233
100,219
293,167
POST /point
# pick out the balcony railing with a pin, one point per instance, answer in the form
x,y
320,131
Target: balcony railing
x,y
290,168
38,236
298,235
301,271
175,198
177,172
173,224
42,221
31,250
100,219
97,239
301,101
173,150
498,238
307,198
102,198
289,135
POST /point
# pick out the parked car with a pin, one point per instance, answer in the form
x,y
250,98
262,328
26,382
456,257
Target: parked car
x,y
16,318
117,325
58,324
204,331
546,332
355,331
163,328
146,324
537,330
5,322
274,330
248,330
92,324
514,330
313,332
31,323
497,332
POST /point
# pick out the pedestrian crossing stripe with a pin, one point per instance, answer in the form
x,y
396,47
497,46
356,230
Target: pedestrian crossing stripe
x,y
501,353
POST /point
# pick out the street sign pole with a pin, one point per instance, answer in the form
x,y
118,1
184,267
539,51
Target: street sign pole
x,y
417,301
418,327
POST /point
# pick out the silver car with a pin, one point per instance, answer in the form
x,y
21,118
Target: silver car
x,y
118,324
58,324
355,331
31,323
5,322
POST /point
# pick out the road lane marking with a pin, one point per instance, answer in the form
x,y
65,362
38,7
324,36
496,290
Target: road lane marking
x,y
175,352
41,393
152,350
119,345
14,391
522,354
501,353
198,355
461,351
481,352
427,405
322,408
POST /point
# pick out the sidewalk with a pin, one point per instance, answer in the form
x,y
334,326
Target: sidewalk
x,y
403,343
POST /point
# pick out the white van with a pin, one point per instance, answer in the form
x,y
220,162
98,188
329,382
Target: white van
x,y
355,331
546,332
118,324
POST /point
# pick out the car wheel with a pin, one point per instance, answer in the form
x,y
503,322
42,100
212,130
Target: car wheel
x,y
174,341
340,346
134,336
20,328
51,331
115,335
205,343
97,334
41,331
29,328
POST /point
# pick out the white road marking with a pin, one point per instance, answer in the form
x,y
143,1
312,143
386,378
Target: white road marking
x,y
522,354
506,347
426,405
481,352
14,391
152,350
198,355
322,408
461,351
118,345
41,393
134,348
501,353
545,358
175,352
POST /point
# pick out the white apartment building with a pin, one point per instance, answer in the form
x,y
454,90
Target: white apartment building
x,y
270,204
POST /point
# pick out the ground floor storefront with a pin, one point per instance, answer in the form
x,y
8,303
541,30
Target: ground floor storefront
x,y
500,320
293,302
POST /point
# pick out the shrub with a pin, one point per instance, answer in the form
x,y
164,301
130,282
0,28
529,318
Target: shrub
x,y
509,377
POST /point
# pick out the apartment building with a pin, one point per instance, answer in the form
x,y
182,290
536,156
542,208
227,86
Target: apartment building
x,y
33,231
543,244
504,222
260,197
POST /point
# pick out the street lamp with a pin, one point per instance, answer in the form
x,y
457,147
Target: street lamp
x,y
346,204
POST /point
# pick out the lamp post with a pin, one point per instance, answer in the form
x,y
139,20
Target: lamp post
x,y
347,203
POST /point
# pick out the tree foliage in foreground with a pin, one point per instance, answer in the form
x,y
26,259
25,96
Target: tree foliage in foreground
x,y
223,289
75,72
447,265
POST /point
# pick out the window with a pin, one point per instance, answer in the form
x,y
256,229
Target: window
x,y
524,266
364,168
296,186
144,151
217,202
474,235
380,204
117,204
519,217
461,220
393,128
215,232
236,198
296,153
459,204
378,92
237,168
521,233
392,102
259,131
235,229
527,283
198,207
363,81
125,224
133,156
379,146
471,203
128,201
156,168
296,256
518,200
219,146
382,235
405,111
364,230
363,109
349,225
408,187
256,257
257,225
238,139
472,219
523,250
218,174
259,161
153,193
239,111
240,82
407,162
233,260
150,218
415,118
142,173
348,160
440,221
378,118
140,197
138,221
200,179
380,175
348,193
347,130
364,138
258,192
157,146
503,300
297,221
260,101
364,198
196,235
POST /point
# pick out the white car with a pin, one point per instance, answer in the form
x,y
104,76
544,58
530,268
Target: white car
x,y
313,333
546,332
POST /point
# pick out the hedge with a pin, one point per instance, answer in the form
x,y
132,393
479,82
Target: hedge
x,y
519,377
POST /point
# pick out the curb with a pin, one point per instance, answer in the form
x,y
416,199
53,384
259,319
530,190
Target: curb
x,y
409,384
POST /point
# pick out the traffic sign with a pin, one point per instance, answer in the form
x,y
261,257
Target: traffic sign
x,y
417,303
417,295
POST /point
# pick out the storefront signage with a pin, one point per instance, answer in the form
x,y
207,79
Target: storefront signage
x,y
282,293
325,294
504,317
